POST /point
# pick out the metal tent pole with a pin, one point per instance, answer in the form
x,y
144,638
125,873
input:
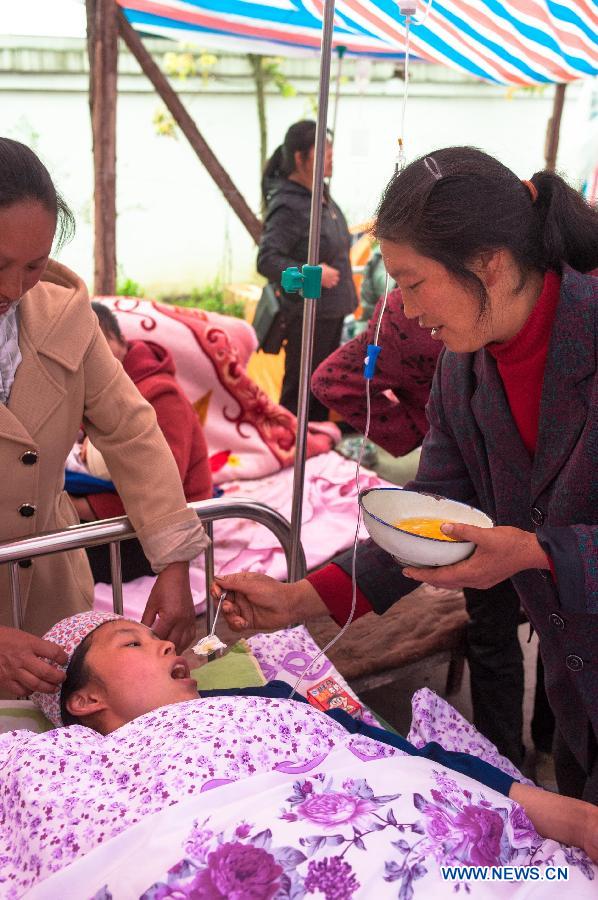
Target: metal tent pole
x,y
309,304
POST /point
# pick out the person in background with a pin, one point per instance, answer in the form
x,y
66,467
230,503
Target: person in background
x,y
401,384
493,268
57,371
286,188
399,392
151,368
373,285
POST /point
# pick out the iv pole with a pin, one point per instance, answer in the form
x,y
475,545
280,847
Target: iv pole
x,y
340,53
309,304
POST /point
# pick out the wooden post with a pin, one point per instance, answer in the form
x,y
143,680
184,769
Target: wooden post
x,y
189,128
553,128
102,45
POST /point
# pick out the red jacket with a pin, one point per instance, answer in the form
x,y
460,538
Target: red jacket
x,y
151,368
400,387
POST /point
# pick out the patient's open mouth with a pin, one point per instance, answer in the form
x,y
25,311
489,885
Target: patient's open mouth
x,y
180,670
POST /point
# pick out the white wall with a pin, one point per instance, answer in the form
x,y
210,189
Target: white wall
x,y
174,230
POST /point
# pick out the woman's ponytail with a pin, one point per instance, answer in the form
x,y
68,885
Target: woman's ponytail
x,y
568,225
458,202
300,138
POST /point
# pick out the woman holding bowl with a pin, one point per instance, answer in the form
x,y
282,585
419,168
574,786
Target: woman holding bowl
x,y
493,267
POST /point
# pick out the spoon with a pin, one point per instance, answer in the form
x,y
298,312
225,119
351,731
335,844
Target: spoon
x,y
218,651
222,597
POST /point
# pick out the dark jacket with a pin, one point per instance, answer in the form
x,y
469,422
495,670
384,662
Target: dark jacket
x,y
285,241
151,368
473,453
401,384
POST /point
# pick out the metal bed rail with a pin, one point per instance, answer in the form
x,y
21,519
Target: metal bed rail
x,y
113,531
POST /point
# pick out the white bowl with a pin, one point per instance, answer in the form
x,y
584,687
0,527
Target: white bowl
x,y
383,506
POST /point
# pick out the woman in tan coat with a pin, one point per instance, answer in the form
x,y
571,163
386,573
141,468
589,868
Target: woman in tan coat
x,y
57,372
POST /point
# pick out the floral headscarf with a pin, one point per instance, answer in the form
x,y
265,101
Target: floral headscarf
x,y
68,634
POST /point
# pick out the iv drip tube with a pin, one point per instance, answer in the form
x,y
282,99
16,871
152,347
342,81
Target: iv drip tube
x,y
309,305
337,93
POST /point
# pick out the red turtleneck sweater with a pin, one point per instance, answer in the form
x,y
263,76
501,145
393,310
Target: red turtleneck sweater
x,y
521,362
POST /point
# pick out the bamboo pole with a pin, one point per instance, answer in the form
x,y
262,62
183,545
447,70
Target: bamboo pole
x,y
257,69
255,62
102,46
189,128
554,127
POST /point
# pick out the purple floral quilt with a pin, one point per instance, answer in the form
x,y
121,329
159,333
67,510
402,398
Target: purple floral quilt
x,y
348,826
251,798
284,655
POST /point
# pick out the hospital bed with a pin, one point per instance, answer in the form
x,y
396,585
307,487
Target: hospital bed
x,y
113,531
150,857
426,625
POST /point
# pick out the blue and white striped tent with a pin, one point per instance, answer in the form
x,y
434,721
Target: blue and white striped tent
x,y
505,41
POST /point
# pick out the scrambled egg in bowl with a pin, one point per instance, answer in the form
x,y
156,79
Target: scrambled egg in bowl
x,y
424,527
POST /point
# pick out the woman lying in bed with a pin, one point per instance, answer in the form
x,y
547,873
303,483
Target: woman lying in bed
x,y
150,743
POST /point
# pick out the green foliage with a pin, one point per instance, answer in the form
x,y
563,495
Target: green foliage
x,y
186,62
164,123
183,63
210,297
128,287
531,90
311,107
272,73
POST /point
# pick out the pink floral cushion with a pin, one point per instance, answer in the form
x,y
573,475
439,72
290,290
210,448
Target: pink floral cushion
x,y
248,434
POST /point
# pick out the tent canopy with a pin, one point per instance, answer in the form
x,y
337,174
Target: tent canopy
x,y
515,42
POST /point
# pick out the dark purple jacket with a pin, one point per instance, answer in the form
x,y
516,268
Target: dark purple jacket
x,y
473,453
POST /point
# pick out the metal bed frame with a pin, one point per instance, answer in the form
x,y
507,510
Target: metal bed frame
x,y
113,531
